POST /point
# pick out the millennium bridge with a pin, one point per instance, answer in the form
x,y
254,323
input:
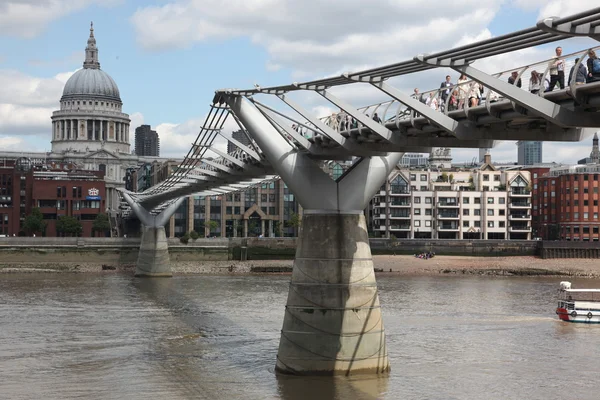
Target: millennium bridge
x,y
333,321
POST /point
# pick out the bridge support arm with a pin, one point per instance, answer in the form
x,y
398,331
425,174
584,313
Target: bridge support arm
x,y
153,256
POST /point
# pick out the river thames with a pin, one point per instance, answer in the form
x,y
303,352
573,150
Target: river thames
x,y
77,336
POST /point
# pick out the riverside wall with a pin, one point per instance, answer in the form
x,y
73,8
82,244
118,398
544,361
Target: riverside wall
x,y
125,250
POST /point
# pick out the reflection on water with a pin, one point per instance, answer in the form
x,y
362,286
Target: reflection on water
x,y
216,337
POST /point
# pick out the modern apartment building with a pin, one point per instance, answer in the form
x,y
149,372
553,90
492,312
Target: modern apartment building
x,y
456,204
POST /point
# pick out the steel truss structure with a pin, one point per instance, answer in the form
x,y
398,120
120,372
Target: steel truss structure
x,y
508,113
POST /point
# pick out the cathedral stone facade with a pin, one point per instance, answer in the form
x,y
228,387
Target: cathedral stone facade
x,y
90,130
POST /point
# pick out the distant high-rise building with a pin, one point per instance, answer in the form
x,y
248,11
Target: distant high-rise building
x,y
529,153
147,142
241,137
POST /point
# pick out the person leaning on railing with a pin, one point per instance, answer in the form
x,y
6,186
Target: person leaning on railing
x,y
593,67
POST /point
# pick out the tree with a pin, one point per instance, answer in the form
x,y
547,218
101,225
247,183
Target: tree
x,y
101,224
451,177
34,222
68,225
185,238
444,177
211,225
295,220
194,235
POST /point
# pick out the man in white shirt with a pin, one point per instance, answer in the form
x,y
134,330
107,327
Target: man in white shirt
x,y
557,71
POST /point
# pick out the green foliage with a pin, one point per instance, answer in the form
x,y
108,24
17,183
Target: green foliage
x,y
194,235
68,225
451,177
444,177
34,222
101,223
295,220
211,225
185,238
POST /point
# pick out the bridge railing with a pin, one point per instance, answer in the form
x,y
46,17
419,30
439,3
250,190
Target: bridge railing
x,y
392,110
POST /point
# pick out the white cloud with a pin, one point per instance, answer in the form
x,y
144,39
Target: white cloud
x,y
22,89
27,18
313,36
13,143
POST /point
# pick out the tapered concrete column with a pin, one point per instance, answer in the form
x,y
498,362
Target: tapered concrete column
x,y
332,323
333,297
245,228
153,257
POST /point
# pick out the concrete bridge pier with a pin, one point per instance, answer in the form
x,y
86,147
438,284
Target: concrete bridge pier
x,y
153,257
333,323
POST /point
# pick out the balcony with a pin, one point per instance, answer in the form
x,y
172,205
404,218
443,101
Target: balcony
x,y
520,228
448,227
400,227
399,202
519,205
448,204
448,215
520,192
399,216
519,217
399,192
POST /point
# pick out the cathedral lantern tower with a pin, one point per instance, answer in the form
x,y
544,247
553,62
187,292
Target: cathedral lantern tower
x,y
90,116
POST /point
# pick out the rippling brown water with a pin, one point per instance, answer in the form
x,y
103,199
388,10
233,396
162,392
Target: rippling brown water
x,y
216,337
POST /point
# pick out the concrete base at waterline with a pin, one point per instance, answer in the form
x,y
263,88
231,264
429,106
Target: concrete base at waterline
x,y
333,323
153,258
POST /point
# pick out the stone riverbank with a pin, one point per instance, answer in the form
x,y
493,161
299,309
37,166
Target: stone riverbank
x,y
401,264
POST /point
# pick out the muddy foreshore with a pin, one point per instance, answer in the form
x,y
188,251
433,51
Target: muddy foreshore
x,y
402,264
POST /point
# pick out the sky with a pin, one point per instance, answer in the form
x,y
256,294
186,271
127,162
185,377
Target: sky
x,y
169,57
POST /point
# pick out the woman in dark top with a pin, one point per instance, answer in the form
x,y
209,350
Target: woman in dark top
x,y
593,67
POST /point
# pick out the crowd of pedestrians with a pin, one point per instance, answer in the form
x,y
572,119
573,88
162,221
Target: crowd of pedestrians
x,y
471,93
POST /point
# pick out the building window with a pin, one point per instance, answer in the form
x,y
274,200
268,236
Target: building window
x,y
535,174
272,198
585,202
263,198
552,194
428,224
501,212
490,212
417,223
427,200
477,224
413,177
502,224
423,188
486,177
465,224
477,200
417,200
423,178
490,200
417,211
476,212
466,211
465,200
496,178
501,200
585,215
428,211
490,224
576,215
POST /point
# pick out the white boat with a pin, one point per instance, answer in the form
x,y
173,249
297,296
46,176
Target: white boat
x,y
578,305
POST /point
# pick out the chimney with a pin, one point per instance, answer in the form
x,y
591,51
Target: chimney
x,y
487,159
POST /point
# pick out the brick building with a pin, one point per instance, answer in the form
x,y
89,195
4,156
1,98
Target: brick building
x,y
567,204
56,189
